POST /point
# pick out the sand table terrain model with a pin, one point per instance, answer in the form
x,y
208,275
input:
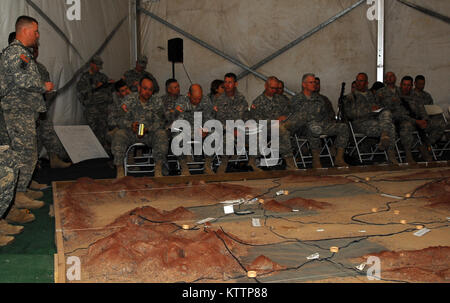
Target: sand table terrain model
x,y
139,230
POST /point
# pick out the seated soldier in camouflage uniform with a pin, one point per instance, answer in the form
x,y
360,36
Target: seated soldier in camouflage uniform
x,y
95,94
312,112
233,106
167,110
271,105
195,102
436,123
140,108
133,76
416,111
280,91
115,112
360,108
388,97
331,115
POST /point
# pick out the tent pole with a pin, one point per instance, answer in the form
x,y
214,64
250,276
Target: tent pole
x,y
133,32
380,43
426,11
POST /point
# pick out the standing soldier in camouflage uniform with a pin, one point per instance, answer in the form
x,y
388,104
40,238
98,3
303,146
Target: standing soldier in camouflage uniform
x,y
272,106
388,97
231,105
312,109
140,108
188,106
436,123
22,101
95,94
46,133
133,76
360,109
417,111
9,171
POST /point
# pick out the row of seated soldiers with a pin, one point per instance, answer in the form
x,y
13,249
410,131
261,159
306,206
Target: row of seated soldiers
x,y
387,113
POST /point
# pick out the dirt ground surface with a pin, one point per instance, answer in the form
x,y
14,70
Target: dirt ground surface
x,y
136,230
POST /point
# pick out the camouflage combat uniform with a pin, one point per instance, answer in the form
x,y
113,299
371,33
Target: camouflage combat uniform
x,y
358,110
405,124
133,76
22,88
46,133
265,108
435,124
8,177
4,138
95,102
135,111
167,108
313,113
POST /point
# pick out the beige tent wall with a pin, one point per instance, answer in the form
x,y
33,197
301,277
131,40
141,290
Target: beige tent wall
x,y
98,19
252,30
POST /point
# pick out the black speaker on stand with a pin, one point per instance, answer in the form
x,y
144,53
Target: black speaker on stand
x,y
175,52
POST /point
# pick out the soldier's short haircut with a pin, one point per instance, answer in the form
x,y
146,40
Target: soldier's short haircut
x,y
215,86
308,75
272,78
365,75
11,37
170,81
317,79
23,21
231,75
145,78
190,87
407,78
119,84
420,77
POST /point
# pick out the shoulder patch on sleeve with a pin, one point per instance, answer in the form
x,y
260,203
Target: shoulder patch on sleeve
x,y
215,108
124,107
25,58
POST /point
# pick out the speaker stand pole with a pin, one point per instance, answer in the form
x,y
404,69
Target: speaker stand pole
x,y
173,70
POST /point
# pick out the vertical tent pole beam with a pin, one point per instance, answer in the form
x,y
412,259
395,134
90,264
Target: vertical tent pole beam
x,y
134,41
380,47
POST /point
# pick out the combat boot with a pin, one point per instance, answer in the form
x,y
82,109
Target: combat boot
x,y
36,186
208,166
339,160
8,229
384,141
223,166
20,216
184,168
425,153
252,164
290,163
316,158
392,157
56,162
120,171
158,169
409,157
5,240
32,194
22,201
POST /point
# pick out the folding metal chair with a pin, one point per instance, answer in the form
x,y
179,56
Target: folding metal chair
x,y
355,146
138,164
439,148
306,158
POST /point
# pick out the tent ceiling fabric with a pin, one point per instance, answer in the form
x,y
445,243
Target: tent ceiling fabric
x,y
98,19
251,30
